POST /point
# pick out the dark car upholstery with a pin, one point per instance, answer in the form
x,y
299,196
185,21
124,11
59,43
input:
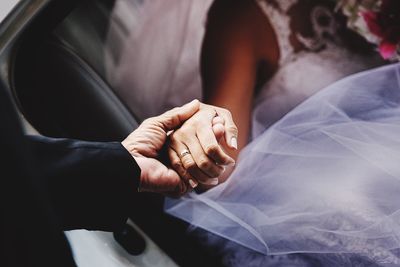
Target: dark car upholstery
x,y
61,87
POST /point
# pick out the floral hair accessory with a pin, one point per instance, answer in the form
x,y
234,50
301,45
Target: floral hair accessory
x,y
378,21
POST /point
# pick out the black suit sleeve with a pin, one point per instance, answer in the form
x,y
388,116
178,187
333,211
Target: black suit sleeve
x,y
90,184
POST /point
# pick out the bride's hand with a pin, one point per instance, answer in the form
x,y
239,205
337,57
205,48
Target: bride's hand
x,y
195,151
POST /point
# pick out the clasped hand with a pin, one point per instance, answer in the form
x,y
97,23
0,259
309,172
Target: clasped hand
x,y
198,136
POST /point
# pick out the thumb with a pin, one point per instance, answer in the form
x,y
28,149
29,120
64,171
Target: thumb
x,y
174,118
177,186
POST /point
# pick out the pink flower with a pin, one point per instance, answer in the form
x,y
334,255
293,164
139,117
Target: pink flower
x,y
387,50
385,24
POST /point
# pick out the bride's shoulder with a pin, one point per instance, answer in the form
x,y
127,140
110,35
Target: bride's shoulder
x,y
242,24
237,16
232,9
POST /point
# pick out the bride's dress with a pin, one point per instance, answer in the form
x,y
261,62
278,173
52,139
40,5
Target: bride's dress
x,y
324,178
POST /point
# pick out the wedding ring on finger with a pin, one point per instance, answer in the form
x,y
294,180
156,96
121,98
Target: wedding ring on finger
x,y
185,152
193,183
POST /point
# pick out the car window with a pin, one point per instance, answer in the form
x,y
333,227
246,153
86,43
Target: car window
x,y
6,6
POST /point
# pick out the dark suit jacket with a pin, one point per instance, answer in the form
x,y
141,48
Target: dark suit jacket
x,y
49,185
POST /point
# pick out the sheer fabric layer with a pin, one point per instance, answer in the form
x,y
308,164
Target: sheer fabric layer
x,y
324,179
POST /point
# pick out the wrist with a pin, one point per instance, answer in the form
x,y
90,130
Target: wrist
x,y
138,159
140,163
131,148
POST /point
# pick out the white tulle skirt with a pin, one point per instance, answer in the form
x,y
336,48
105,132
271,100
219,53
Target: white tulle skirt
x,y
324,179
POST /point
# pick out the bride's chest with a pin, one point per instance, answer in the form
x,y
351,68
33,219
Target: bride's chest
x,y
305,73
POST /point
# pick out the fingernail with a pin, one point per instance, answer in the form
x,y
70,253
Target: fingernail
x,y
214,181
193,183
234,143
230,162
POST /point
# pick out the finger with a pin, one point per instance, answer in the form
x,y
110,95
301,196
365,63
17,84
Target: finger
x,y
177,116
206,164
218,127
219,131
178,188
156,177
178,167
182,189
189,163
231,130
218,119
211,148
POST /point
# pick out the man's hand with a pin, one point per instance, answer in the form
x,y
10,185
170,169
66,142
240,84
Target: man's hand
x,y
145,143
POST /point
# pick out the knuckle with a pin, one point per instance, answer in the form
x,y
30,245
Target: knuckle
x,y
225,111
148,121
174,136
212,112
195,121
190,165
176,164
233,129
171,111
179,137
211,150
193,124
204,164
214,175
187,127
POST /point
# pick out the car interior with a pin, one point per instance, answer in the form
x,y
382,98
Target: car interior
x,y
52,60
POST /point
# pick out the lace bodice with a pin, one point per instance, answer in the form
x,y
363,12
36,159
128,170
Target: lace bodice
x,y
280,23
